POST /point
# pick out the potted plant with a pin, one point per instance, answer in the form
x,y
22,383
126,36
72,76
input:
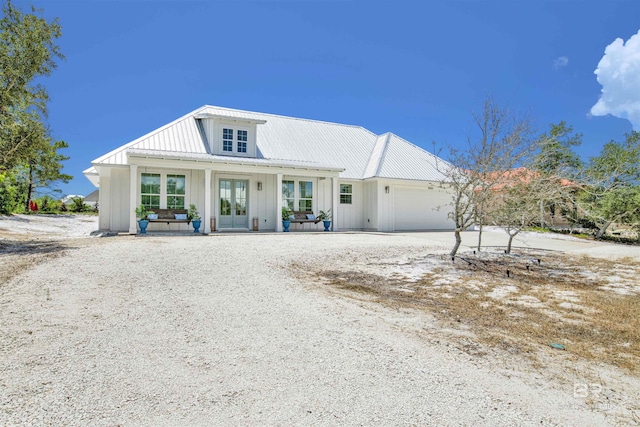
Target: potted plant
x,y
143,222
325,216
194,217
286,218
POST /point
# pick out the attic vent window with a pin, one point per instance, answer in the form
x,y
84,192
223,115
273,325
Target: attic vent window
x,y
227,139
242,141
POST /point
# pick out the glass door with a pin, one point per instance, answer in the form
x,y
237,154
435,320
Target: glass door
x,y
233,203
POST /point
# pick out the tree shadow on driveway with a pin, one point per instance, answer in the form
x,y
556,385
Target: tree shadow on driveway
x,y
32,247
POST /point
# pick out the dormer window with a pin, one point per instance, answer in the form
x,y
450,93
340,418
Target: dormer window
x,y
230,136
227,139
242,141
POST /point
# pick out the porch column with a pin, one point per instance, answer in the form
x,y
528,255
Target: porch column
x,y
104,201
279,202
207,201
334,203
133,200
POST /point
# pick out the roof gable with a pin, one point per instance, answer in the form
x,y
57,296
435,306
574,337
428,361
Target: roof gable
x,y
181,135
404,160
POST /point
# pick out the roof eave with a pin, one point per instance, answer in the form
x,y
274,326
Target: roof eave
x,y
92,175
229,119
231,160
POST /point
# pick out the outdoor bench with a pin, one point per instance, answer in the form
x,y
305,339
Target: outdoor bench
x,y
169,216
300,217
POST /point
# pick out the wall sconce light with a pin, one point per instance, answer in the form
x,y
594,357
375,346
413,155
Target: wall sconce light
x,y
259,186
386,189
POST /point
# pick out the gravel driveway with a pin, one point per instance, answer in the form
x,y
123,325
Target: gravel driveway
x,y
192,330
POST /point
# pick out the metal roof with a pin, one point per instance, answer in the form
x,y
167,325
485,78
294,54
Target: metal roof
x,y
291,141
404,160
181,135
212,158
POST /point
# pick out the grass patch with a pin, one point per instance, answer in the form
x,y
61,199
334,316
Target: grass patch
x,y
523,303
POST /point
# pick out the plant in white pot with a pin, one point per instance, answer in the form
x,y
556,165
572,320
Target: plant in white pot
x,y
194,217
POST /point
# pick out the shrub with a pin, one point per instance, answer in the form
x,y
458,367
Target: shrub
x,y
48,204
8,197
79,205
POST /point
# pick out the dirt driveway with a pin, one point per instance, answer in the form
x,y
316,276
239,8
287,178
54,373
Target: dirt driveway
x,y
220,330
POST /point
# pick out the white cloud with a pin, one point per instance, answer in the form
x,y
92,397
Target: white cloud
x,y
560,62
619,74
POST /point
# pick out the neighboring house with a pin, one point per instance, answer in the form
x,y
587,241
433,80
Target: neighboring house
x,y
92,199
68,200
553,210
236,166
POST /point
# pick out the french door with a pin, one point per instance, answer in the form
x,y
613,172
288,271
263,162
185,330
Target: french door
x,y
233,203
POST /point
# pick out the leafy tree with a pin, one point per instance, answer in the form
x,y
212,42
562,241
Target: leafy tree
x,y
556,156
623,204
28,51
556,166
8,194
612,181
44,168
12,190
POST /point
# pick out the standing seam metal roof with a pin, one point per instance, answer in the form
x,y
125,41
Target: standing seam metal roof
x,y
360,152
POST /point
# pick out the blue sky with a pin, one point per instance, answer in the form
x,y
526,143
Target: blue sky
x,y
417,69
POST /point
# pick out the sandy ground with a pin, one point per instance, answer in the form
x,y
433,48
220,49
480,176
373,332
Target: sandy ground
x,y
48,227
217,330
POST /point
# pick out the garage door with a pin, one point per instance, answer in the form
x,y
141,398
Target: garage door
x,y
414,209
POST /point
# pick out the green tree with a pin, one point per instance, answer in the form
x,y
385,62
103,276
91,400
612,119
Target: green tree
x,y
44,168
12,191
8,194
556,166
28,51
612,179
556,156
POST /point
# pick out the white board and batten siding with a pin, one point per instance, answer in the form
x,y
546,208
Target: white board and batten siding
x,y
262,203
213,131
349,216
370,199
412,206
119,199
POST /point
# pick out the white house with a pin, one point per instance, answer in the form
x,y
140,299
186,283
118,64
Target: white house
x,y
68,200
236,166
92,198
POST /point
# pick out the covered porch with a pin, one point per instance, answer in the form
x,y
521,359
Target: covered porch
x,y
231,194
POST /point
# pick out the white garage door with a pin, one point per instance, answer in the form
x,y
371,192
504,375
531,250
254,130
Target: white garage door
x,y
414,209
